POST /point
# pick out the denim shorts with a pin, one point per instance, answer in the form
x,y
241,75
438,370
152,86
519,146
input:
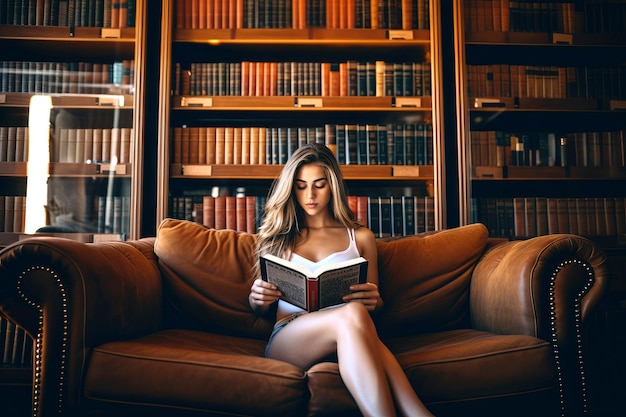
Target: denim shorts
x,y
278,327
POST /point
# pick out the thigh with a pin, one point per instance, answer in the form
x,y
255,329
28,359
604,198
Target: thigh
x,y
307,339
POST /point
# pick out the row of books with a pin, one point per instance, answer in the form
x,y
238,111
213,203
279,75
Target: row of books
x,y
112,215
582,16
350,78
83,145
16,346
67,77
93,145
582,149
13,144
300,14
508,80
12,213
537,216
360,144
384,215
87,13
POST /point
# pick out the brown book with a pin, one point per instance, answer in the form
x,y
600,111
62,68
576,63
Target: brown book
x,y
9,212
519,216
573,217
20,141
245,145
79,146
98,139
177,134
541,208
68,148
262,145
251,214
563,215
237,145
553,217
193,145
362,206
116,138
220,212
231,212
610,215
211,145
208,211
125,147
11,143
229,145
241,214
600,215
185,145
107,134
4,143
220,145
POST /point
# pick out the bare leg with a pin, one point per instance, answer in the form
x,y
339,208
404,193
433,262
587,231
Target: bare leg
x,y
348,331
405,397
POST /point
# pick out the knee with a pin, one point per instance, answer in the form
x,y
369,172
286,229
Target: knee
x,y
356,316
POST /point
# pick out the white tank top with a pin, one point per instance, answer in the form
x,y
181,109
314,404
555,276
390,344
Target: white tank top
x,y
350,252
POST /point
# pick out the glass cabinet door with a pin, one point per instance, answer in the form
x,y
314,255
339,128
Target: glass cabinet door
x,y
71,111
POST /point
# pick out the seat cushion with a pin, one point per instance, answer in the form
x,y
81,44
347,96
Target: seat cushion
x,y
424,280
207,275
194,370
453,366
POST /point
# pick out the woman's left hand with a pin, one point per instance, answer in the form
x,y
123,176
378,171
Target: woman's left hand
x,y
366,294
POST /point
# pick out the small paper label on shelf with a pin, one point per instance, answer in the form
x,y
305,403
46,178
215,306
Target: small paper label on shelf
x,y
196,102
562,38
400,35
309,102
3,98
618,104
111,33
481,103
119,169
115,101
108,237
408,102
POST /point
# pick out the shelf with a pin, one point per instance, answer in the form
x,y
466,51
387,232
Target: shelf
x,y
317,103
7,238
350,172
116,99
570,173
63,169
313,36
546,39
545,104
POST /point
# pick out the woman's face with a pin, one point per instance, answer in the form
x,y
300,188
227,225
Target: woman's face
x,y
312,189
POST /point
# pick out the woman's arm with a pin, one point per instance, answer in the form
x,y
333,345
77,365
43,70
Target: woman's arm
x,y
367,293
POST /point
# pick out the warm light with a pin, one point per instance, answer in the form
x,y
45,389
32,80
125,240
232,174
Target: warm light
x,y
38,162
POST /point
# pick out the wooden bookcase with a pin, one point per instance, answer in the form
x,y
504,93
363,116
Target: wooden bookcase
x,y
87,66
240,93
541,94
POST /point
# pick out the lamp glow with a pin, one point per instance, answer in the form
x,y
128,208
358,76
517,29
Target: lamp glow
x,y
38,162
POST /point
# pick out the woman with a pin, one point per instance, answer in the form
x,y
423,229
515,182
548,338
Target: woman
x,y
307,220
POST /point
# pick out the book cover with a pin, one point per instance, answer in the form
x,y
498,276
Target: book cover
x,y
313,291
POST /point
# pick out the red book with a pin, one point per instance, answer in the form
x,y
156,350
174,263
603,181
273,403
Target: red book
x,y
251,214
220,212
241,215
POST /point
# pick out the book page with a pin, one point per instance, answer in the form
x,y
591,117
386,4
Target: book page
x,y
291,283
334,284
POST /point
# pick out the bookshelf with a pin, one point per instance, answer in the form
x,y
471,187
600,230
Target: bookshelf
x,y
71,138
72,94
541,100
244,85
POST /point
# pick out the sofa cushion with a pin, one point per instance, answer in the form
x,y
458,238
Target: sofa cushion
x,y
207,278
192,370
443,367
424,280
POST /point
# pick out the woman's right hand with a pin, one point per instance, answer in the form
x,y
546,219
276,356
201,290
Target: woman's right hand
x,y
262,295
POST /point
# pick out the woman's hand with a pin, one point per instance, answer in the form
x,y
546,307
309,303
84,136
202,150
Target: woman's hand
x,y
366,294
262,295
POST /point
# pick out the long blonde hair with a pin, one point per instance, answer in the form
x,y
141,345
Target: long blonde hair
x,y
284,218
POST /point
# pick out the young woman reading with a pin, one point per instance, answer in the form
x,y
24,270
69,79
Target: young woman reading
x,y
308,220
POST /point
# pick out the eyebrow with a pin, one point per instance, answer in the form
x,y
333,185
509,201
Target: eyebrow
x,y
317,180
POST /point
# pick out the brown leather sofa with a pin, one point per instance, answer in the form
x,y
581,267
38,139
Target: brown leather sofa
x,y
161,326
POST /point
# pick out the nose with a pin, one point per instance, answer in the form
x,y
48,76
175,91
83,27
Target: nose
x,y
310,193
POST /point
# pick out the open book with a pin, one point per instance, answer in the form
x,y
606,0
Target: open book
x,y
309,291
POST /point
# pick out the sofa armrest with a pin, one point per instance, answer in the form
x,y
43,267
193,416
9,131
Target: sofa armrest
x,y
546,287
70,296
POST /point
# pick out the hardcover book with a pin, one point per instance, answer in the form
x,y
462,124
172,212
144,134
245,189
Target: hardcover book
x,y
313,291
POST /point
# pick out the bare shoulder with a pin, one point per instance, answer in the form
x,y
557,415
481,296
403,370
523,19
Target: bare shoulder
x,y
365,239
